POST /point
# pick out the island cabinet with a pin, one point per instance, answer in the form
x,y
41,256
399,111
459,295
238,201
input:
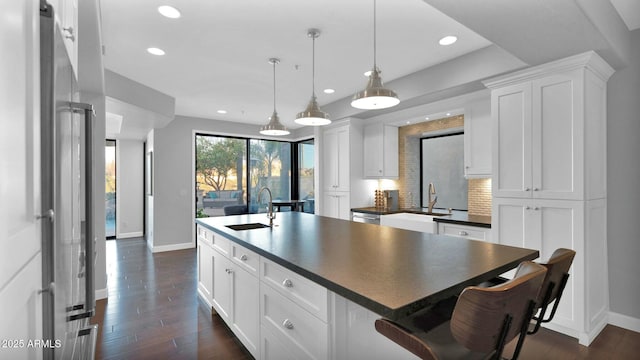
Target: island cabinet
x,y
549,179
229,272
464,231
381,151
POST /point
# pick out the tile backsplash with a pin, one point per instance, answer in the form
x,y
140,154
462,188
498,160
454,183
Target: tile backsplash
x,y
408,183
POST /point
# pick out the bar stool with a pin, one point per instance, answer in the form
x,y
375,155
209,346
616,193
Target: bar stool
x,y
483,321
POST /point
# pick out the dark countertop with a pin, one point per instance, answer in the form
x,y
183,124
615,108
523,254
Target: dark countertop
x,y
392,272
457,217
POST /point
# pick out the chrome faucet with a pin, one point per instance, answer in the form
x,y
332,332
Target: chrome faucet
x,y
431,191
270,214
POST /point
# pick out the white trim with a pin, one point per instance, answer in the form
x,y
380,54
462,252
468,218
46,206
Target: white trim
x,y
172,247
102,293
624,321
130,235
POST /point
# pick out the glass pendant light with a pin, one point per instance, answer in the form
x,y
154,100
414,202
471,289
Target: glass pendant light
x,y
375,95
312,115
274,127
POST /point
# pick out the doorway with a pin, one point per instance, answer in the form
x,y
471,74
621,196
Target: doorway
x,y
110,197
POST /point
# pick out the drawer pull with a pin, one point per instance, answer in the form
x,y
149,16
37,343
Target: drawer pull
x,y
463,233
244,258
229,271
288,324
287,283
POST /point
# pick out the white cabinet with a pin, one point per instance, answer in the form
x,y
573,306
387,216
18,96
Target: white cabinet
x,y
336,204
409,221
541,128
294,314
380,151
66,18
477,139
336,159
549,178
228,280
464,231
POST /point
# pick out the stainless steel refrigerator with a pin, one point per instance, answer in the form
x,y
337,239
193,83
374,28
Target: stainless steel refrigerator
x,y
68,236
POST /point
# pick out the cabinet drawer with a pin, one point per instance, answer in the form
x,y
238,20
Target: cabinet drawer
x,y
300,331
245,258
467,232
304,292
221,243
205,235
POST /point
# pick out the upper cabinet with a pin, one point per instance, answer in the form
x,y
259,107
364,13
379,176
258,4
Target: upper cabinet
x,y
66,17
477,139
336,162
549,133
380,151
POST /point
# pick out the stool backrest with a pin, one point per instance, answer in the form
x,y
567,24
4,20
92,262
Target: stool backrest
x,y
480,313
557,266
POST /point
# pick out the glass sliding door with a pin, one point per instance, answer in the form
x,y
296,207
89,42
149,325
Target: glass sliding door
x,y
221,165
306,170
270,166
110,188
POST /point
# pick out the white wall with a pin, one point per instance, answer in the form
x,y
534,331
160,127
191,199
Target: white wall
x,y
623,177
129,188
149,208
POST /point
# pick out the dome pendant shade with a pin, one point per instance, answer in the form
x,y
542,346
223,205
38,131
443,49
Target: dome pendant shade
x,y
375,95
274,127
312,115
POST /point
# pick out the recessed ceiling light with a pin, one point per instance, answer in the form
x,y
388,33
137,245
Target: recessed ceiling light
x,y
367,73
448,40
408,122
169,11
222,111
427,118
329,91
448,114
155,51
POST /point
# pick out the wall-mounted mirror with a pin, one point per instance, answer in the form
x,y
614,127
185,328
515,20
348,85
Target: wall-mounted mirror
x,y
442,163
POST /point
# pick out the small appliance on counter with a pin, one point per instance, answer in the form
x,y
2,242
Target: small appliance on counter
x,y
386,199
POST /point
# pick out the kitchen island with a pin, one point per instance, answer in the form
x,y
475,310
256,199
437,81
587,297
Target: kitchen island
x,y
342,276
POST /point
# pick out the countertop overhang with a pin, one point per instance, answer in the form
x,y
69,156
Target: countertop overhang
x,y
392,272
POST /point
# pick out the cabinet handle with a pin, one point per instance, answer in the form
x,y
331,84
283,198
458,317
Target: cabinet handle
x,y
535,189
463,233
527,207
536,208
70,35
287,283
287,324
229,271
527,189
244,258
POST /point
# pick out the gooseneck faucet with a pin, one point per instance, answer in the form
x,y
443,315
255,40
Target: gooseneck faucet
x,y
270,214
431,191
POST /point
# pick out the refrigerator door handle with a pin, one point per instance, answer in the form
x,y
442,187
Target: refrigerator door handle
x,y
89,238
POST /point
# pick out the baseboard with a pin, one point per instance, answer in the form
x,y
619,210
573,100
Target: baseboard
x,y
172,247
129,235
102,293
624,321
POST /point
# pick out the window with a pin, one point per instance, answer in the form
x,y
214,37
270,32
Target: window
x,y
225,175
442,163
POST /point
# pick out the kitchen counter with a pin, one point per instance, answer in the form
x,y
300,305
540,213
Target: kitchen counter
x,y
457,217
392,272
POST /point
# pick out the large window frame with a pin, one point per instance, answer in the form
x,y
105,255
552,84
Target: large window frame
x,y
293,160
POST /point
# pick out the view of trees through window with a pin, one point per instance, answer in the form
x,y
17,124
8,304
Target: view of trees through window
x,y
225,178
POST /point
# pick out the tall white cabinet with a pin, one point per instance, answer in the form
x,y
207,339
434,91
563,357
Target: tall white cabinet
x,y
342,183
549,177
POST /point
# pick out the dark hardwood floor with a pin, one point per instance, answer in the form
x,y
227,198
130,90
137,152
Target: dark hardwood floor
x,y
153,312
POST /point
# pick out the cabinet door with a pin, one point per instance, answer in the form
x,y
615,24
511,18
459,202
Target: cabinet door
x,y
373,152
246,309
342,159
205,270
336,205
511,115
221,290
557,136
330,159
477,140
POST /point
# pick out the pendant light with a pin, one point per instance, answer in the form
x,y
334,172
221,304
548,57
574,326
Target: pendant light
x,y
375,95
274,127
312,115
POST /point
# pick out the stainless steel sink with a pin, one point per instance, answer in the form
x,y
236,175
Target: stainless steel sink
x,y
249,226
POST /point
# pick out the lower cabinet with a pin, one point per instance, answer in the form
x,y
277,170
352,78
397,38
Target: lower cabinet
x,y
336,204
205,271
465,231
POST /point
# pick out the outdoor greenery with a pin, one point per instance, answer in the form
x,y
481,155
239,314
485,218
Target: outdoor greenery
x,y
216,160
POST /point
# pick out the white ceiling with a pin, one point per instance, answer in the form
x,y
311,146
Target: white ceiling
x,y
217,52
